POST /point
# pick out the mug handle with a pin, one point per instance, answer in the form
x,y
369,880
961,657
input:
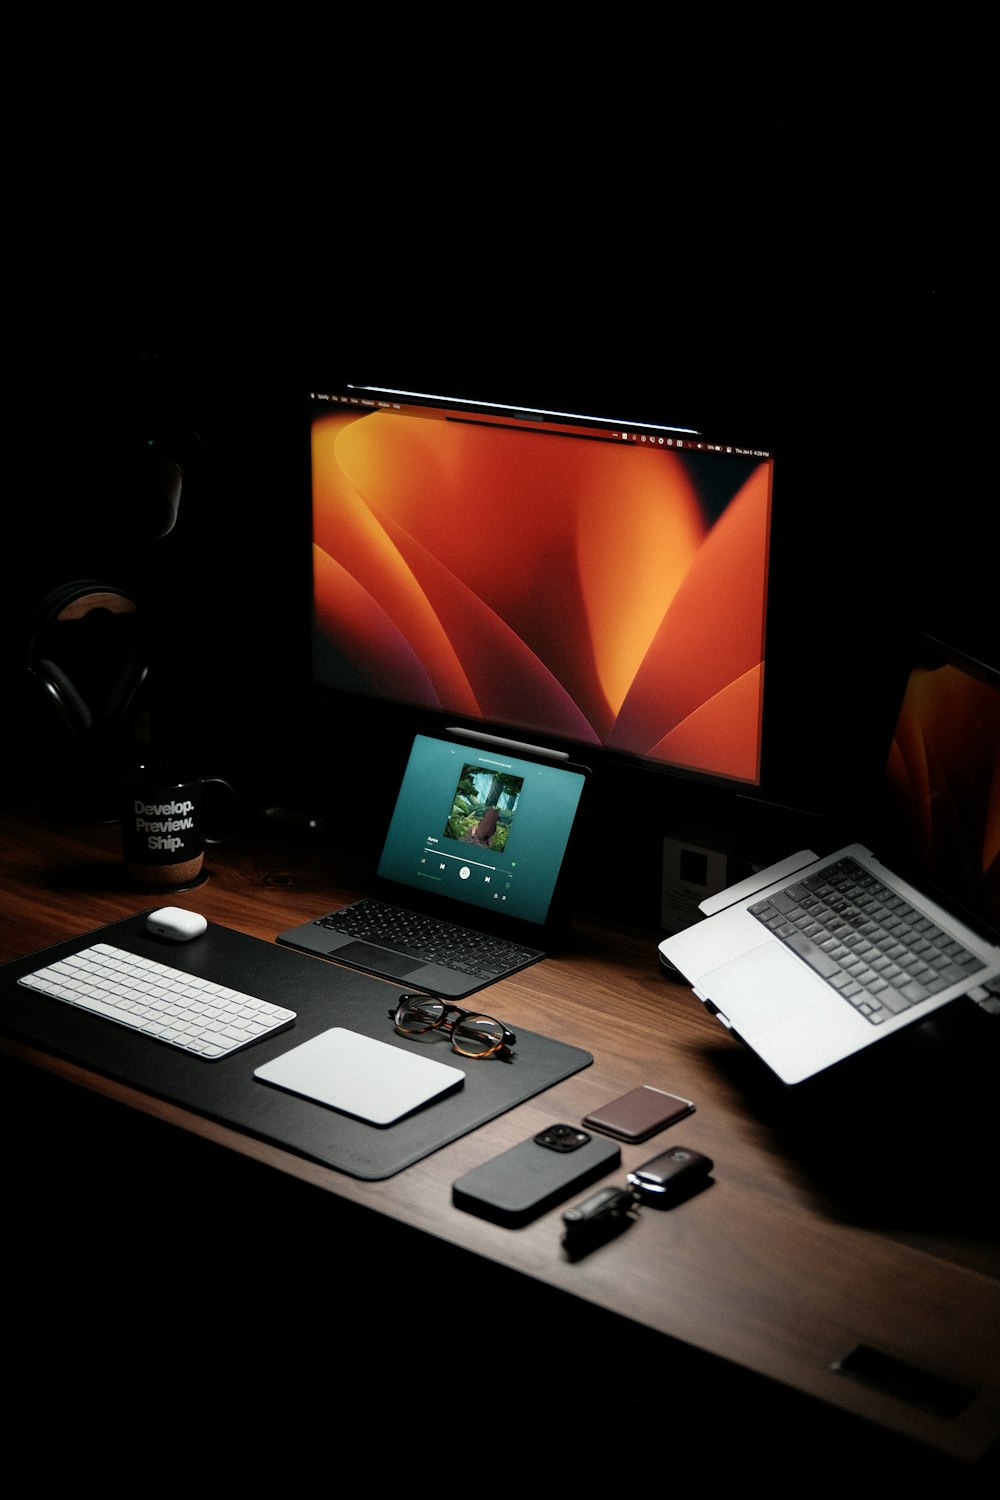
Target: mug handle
x,y
230,807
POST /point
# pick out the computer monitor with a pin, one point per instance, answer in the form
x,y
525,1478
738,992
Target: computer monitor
x,y
941,797
574,580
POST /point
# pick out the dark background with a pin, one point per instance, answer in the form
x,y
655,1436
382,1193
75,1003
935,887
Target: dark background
x,y
790,290
783,229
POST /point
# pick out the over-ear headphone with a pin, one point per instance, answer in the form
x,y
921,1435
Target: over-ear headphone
x,y
87,654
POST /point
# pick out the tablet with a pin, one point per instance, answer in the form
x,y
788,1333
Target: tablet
x,y
360,1076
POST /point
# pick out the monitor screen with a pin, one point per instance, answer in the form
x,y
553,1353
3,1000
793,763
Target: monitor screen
x,y
942,782
578,580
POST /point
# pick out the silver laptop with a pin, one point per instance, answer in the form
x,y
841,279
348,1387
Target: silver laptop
x,y
805,995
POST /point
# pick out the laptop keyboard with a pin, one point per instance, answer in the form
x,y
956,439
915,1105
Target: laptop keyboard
x,y
875,948
429,939
197,1015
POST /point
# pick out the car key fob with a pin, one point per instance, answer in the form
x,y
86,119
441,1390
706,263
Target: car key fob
x,y
671,1176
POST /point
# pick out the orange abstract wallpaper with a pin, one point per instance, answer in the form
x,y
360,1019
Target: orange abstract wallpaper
x,y
543,583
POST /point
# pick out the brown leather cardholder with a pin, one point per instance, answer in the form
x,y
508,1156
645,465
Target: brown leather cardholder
x,y
640,1113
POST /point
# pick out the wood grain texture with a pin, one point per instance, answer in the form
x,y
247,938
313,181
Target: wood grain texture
x,y
785,1263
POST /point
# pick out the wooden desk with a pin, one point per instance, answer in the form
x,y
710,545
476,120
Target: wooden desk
x,y
735,1307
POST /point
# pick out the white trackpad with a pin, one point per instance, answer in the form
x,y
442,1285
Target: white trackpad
x,y
762,989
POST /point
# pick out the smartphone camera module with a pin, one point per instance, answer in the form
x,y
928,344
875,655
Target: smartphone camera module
x,y
562,1138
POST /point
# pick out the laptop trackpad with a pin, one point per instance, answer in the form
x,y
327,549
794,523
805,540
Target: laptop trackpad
x,y
761,989
366,956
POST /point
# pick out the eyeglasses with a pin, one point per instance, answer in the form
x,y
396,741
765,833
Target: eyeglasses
x,y
472,1035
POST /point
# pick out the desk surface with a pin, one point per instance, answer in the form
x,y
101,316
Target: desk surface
x,y
812,1241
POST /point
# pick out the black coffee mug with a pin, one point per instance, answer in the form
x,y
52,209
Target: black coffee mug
x,y
167,818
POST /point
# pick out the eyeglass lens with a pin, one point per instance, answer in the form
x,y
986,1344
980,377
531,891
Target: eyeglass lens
x,y
472,1035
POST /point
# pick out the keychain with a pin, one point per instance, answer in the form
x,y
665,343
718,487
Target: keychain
x,y
663,1182
598,1218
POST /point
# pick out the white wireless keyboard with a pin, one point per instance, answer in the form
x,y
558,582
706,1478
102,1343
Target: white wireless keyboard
x,y
194,1014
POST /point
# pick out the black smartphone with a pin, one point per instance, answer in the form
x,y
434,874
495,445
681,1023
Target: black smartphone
x,y
521,1183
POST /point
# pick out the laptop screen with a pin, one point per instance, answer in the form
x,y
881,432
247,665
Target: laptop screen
x,y
942,802
482,827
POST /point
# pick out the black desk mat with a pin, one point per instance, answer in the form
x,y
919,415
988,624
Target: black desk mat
x,y
323,995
